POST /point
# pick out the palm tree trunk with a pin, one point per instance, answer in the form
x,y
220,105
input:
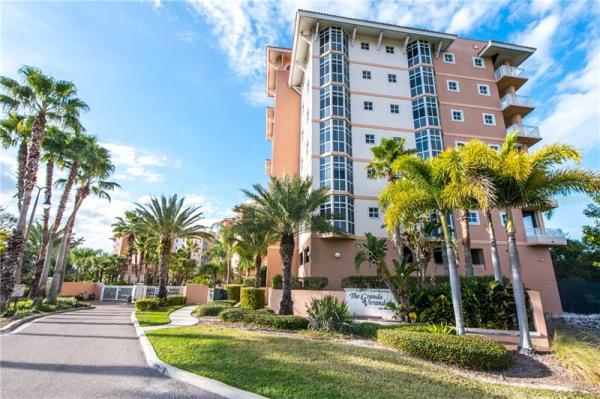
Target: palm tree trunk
x,y
16,243
286,251
525,346
22,166
257,265
493,247
466,242
454,280
164,266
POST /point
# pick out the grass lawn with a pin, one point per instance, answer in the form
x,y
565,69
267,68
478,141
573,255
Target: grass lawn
x,y
579,352
281,367
156,317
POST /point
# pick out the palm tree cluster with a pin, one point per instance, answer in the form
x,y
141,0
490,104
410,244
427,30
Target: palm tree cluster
x,y
41,118
477,177
88,264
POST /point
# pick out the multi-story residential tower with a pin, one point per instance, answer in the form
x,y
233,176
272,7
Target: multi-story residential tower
x,y
347,83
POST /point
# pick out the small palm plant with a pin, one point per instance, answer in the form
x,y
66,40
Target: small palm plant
x,y
328,314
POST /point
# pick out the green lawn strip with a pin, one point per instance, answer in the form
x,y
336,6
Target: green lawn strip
x,y
579,352
282,367
155,317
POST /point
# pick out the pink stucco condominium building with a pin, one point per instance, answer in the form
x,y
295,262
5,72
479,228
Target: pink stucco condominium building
x,y
347,83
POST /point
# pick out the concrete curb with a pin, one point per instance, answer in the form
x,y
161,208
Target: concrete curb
x,y
204,383
9,328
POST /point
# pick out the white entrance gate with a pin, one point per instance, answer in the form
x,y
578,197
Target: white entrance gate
x,y
117,292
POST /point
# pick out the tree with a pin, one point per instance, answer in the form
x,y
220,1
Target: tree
x,y
16,130
532,180
253,235
168,219
289,206
591,233
45,100
128,227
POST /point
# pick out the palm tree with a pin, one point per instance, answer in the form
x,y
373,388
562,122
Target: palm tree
x,y
128,227
254,235
143,244
289,206
16,130
532,180
167,219
46,100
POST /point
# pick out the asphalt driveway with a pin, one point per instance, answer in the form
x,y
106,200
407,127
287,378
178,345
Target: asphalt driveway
x,y
85,354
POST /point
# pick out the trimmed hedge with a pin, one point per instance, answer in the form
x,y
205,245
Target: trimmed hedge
x,y
233,291
252,298
264,319
147,304
210,309
359,281
369,330
232,315
249,281
175,300
224,302
469,352
298,283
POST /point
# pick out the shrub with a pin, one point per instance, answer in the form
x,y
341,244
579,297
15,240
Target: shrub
x,y
175,300
266,310
224,302
369,330
328,314
253,298
147,304
232,315
304,283
210,309
362,282
277,281
469,352
233,291
249,281
276,321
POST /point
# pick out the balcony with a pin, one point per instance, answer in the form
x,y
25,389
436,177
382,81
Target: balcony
x,y
268,167
542,237
507,76
526,134
270,119
513,105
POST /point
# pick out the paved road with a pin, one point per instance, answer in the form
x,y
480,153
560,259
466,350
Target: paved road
x,y
84,354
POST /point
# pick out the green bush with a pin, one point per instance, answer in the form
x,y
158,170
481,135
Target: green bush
x,y
469,352
233,291
210,309
265,310
147,304
233,315
328,314
369,330
277,281
224,302
252,298
175,300
304,283
264,319
249,281
359,281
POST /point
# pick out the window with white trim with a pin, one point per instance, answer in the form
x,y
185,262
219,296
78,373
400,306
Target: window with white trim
x,y
373,212
364,46
478,62
483,90
366,75
459,144
370,173
389,49
394,108
489,119
477,257
449,58
495,147
369,138
392,77
453,85
473,217
368,105
457,115
428,143
503,218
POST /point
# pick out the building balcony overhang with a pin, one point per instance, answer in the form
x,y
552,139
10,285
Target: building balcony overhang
x,y
528,135
270,122
268,167
276,58
506,53
513,105
545,238
508,76
551,204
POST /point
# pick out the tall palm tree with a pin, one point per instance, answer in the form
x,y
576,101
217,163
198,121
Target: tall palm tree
x,y
532,180
128,227
16,130
254,235
143,244
45,100
426,187
289,206
168,219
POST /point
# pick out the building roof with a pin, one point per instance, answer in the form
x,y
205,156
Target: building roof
x,y
502,52
275,57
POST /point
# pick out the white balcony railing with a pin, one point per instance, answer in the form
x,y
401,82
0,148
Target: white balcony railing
x,y
545,233
513,99
524,130
507,70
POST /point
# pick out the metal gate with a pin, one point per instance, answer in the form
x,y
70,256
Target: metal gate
x,y
117,292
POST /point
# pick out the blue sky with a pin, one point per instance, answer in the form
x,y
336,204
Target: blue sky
x,y
176,89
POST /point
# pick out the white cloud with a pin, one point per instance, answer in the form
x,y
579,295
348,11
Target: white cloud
x,y
133,163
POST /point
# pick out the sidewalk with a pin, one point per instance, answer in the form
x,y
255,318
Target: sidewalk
x,y
180,318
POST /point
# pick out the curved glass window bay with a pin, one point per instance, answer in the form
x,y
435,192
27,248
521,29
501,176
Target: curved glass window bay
x,y
335,172
340,208
334,68
333,39
418,52
335,135
425,112
421,81
429,143
334,100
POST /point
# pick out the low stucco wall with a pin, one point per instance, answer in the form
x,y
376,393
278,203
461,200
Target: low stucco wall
x,y
72,288
301,298
196,293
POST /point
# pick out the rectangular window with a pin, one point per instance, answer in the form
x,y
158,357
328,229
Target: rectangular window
x,y
438,257
335,135
483,90
478,62
370,173
307,255
373,212
428,143
389,49
366,74
449,58
418,52
453,85
503,218
495,147
489,119
425,112
369,138
368,105
474,217
392,77
459,144
477,257
457,115
394,108
364,46
421,81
